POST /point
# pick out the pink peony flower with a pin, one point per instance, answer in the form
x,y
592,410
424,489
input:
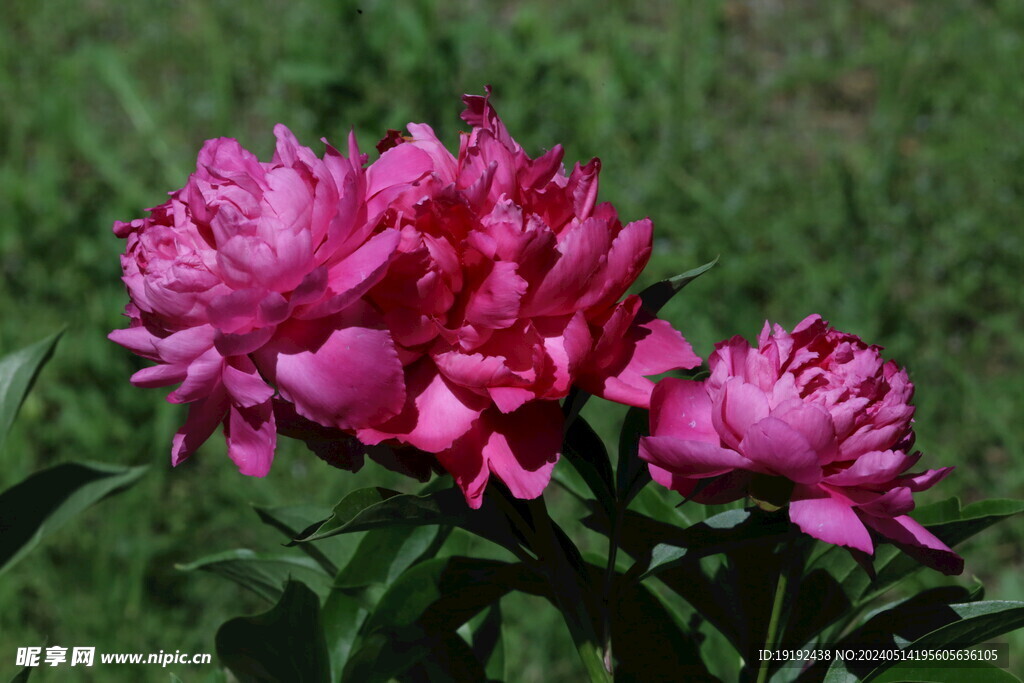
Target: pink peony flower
x,y
254,273
504,294
815,419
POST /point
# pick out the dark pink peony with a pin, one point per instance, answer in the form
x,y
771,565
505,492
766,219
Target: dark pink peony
x,y
254,273
504,294
817,411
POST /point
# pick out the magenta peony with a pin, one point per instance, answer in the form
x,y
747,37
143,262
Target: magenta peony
x,y
254,274
505,293
814,419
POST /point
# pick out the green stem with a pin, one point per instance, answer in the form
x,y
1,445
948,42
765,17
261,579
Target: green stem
x,y
771,638
608,597
568,594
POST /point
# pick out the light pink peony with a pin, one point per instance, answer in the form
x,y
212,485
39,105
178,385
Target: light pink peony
x,y
505,293
817,410
255,273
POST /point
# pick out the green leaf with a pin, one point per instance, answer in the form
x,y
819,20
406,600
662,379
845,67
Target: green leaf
x,y
659,294
425,605
18,372
385,553
372,508
22,675
850,587
951,527
585,451
632,473
979,672
265,575
285,643
930,626
292,520
725,532
650,642
46,500
487,643
382,556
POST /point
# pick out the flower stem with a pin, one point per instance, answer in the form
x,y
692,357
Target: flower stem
x,y
568,593
771,638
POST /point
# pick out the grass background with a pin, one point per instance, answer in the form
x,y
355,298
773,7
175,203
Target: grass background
x,y
860,160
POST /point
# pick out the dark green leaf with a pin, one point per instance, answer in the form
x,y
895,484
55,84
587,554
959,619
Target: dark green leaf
x,y
931,625
632,473
292,520
22,675
487,643
342,616
725,532
427,604
584,449
18,372
659,294
945,519
283,644
383,554
373,508
649,641
265,575
979,672
43,502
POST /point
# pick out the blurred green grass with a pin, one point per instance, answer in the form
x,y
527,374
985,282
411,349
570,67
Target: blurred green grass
x,y
860,160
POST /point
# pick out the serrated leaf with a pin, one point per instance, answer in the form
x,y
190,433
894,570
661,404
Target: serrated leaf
x,y
373,508
46,500
285,643
585,451
18,372
264,574
659,294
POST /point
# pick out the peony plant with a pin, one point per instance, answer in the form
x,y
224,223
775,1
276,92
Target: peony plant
x,y
451,313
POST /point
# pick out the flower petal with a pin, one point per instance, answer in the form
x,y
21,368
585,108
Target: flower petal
x,y
830,520
779,448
